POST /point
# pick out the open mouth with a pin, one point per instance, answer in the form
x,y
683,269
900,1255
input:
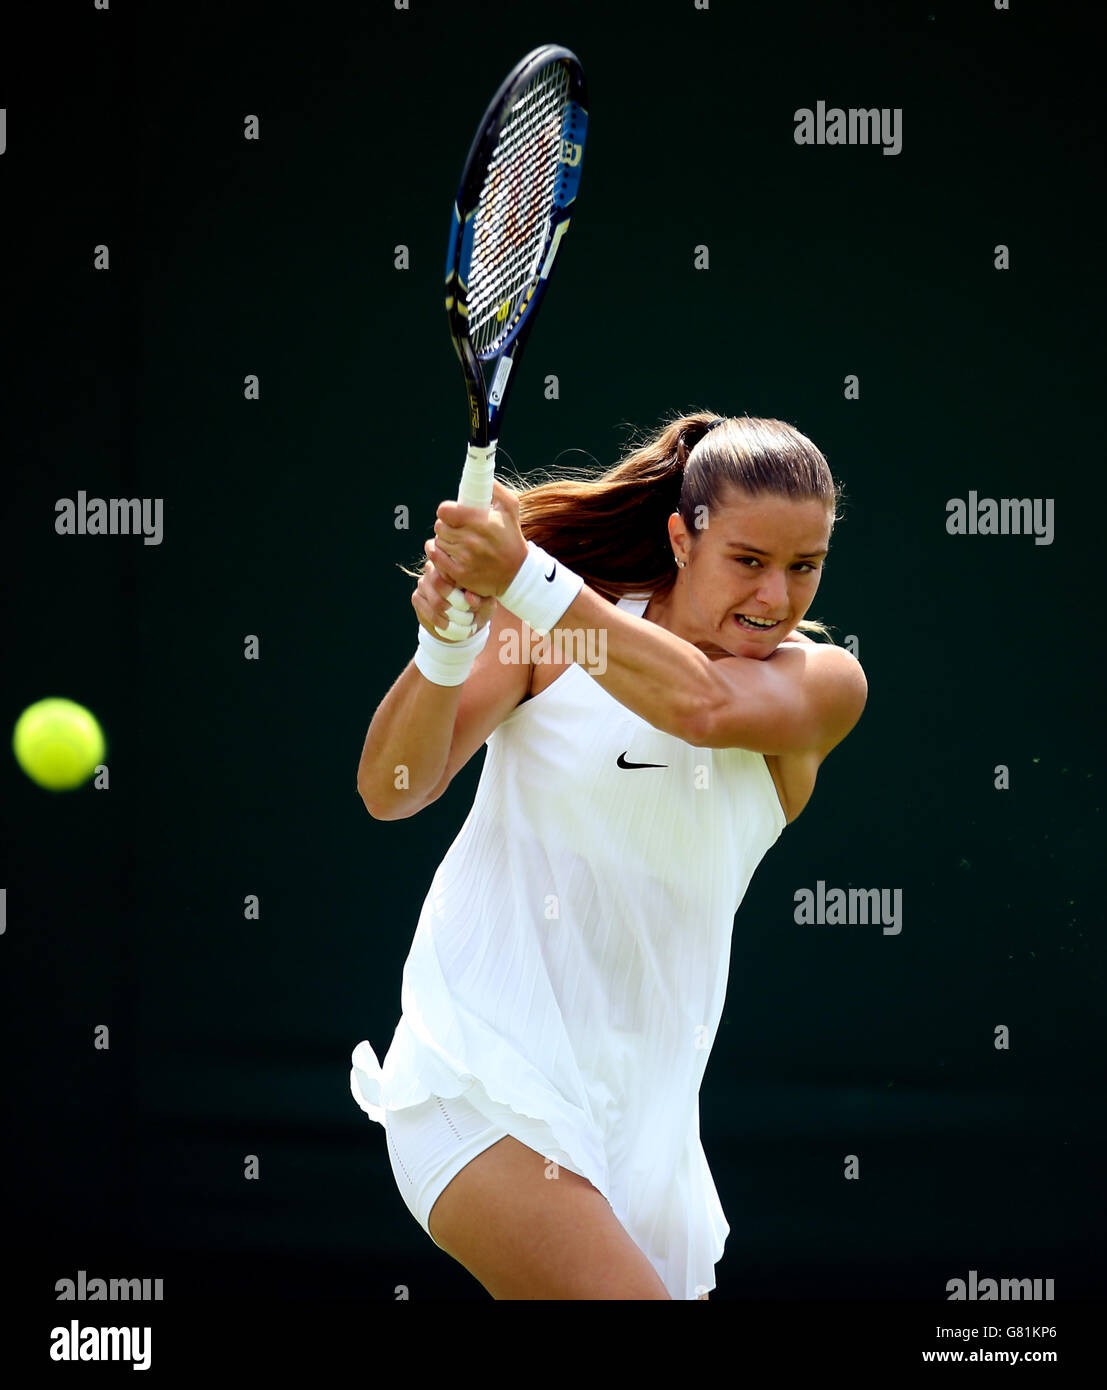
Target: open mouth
x,y
756,624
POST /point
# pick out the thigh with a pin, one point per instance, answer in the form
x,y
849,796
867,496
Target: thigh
x,y
528,1230
428,1145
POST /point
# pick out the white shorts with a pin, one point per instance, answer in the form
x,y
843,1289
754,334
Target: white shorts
x,y
429,1144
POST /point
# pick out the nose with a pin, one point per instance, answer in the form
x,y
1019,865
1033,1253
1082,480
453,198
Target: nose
x,y
773,590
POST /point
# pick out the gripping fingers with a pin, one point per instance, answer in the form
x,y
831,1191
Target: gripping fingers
x,y
426,610
460,624
459,615
459,618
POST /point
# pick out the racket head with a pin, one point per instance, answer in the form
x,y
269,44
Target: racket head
x,y
511,211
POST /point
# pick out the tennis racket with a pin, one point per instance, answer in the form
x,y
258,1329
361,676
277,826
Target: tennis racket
x,y
510,214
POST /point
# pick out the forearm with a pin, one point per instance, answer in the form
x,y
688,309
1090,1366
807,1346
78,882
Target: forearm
x,y
665,680
408,744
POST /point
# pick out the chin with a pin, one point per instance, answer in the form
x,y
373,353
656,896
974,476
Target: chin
x,y
757,645
757,651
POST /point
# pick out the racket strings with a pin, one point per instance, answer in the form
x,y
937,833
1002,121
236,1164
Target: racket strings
x,y
506,253
513,212
509,241
515,204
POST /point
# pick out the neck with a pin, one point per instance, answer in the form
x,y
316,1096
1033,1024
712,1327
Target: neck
x,y
660,610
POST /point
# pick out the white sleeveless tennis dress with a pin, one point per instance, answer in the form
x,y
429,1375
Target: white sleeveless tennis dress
x,y
568,970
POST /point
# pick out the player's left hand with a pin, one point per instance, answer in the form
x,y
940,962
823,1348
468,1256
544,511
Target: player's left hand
x,y
476,549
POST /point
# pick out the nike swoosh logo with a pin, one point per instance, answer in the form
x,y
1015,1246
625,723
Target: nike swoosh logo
x,y
553,571
621,761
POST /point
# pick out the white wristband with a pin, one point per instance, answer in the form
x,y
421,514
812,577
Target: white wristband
x,y
448,663
542,591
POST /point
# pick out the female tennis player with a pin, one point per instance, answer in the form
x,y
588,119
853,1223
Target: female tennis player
x,y
567,975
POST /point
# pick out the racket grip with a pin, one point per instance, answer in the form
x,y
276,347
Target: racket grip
x,y
475,491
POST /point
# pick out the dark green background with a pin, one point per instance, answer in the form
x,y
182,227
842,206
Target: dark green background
x,y
124,907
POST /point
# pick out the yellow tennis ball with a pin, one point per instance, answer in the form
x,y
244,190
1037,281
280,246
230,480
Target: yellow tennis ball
x,y
58,744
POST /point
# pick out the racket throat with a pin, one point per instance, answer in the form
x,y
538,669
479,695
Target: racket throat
x,y
499,383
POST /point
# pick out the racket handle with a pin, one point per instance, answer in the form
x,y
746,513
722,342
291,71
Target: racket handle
x,y
476,476
475,491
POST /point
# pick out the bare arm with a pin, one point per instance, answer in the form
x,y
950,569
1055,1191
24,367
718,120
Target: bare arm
x,y
802,699
407,745
805,696
424,733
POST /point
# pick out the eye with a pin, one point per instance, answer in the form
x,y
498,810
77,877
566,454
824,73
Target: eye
x,y
803,566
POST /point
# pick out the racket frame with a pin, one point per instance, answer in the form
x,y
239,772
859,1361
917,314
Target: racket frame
x,y
485,414
487,401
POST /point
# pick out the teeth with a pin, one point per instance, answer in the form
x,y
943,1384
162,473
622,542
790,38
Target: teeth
x,y
757,622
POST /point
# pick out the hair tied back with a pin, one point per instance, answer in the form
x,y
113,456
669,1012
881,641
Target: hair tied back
x,y
682,448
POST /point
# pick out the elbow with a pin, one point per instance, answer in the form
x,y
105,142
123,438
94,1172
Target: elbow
x,y
387,810
384,800
702,709
397,806
699,723
379,809
696,732
379,799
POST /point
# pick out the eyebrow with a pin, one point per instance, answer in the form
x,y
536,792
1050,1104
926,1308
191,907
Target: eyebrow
x,y
800,555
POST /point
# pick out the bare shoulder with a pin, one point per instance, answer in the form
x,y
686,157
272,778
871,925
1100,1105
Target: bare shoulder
x,y
842,686
833,683
832,692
